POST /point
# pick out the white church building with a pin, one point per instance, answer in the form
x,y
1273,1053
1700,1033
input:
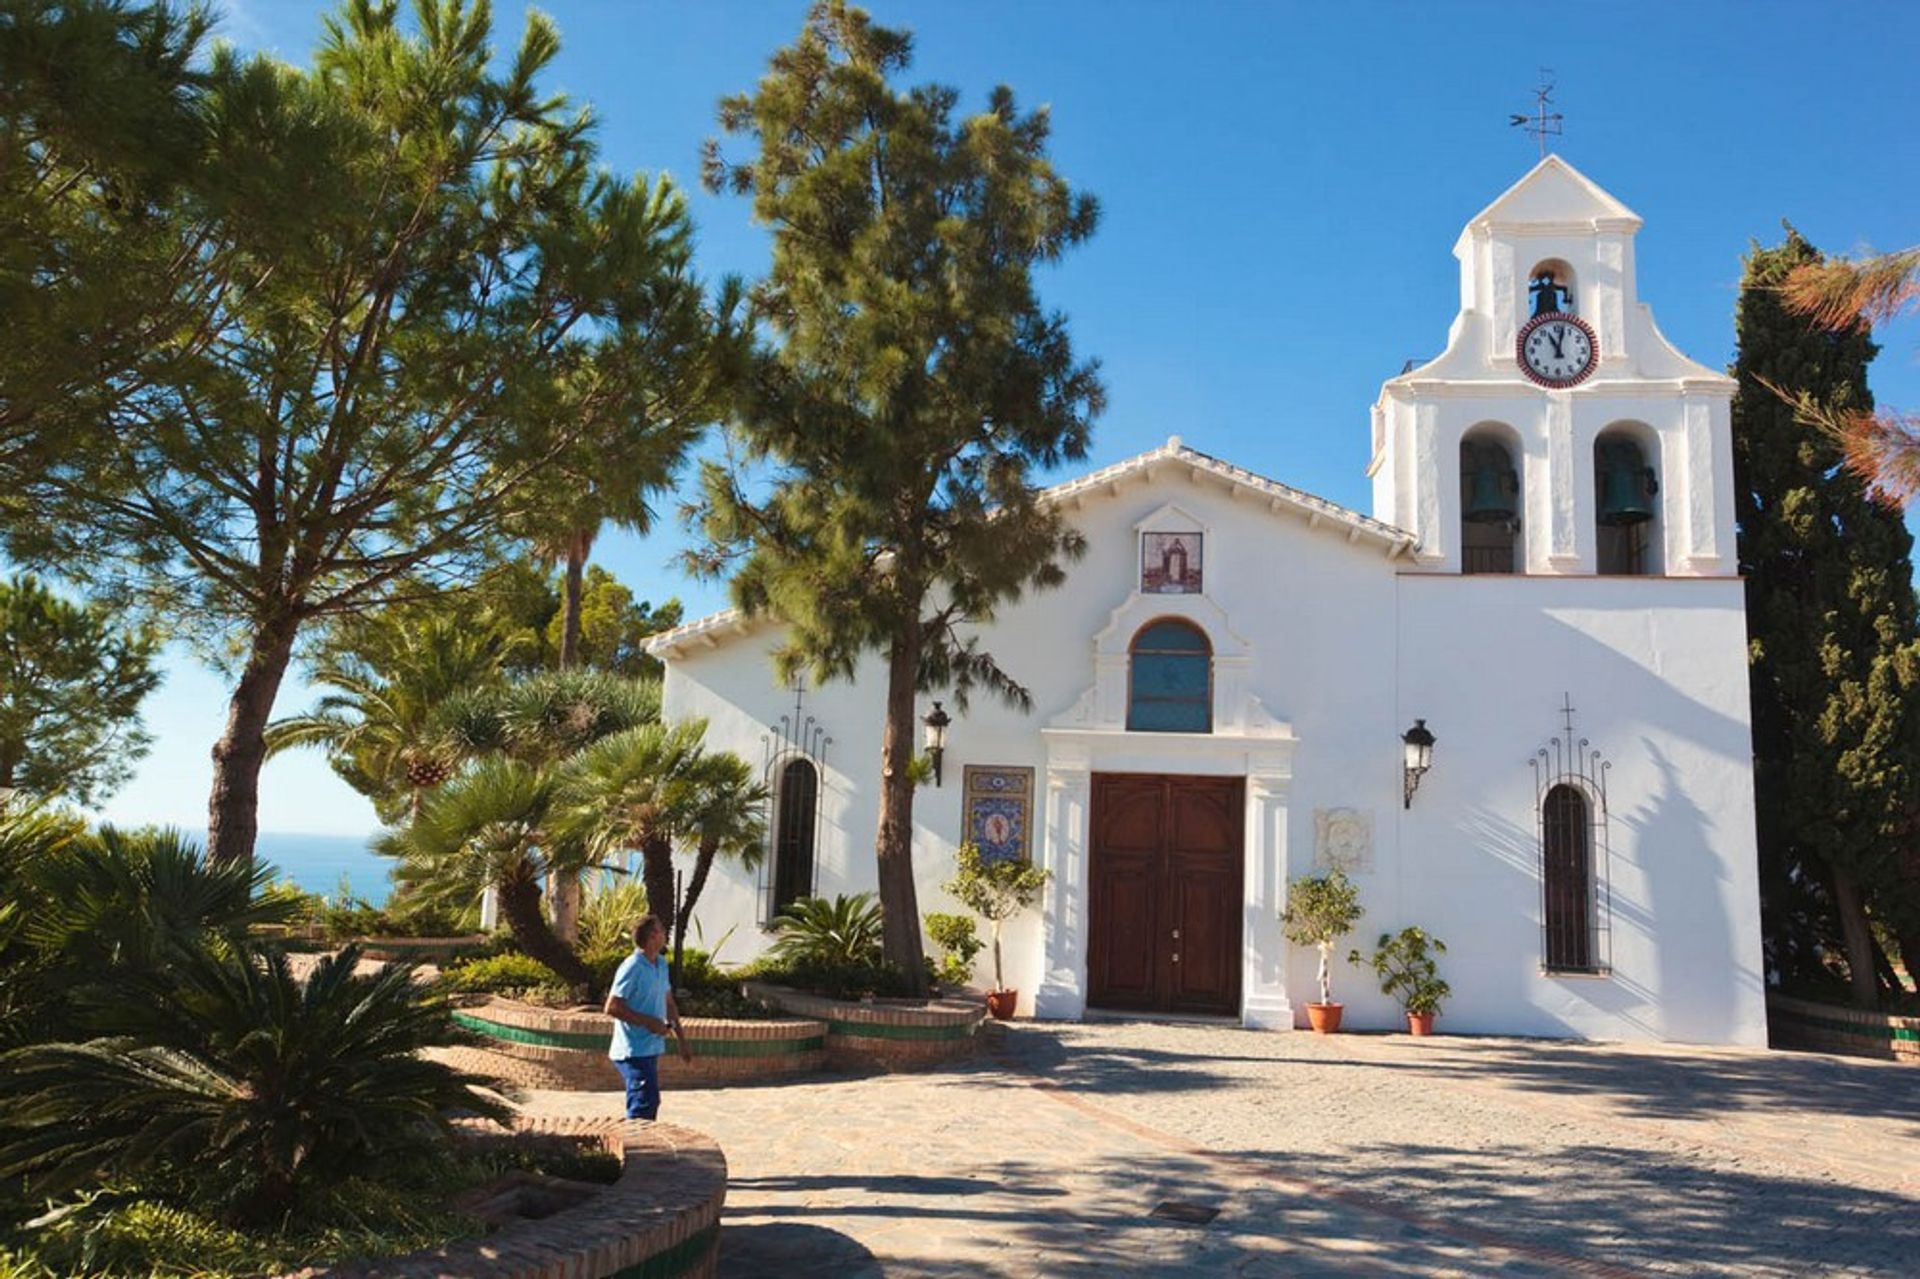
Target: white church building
x,y
1223,687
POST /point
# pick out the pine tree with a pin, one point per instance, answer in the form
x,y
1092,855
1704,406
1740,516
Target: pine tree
x,y
913,385
71,684
1835,662
420,292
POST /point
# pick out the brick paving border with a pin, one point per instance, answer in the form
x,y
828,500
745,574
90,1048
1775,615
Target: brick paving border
x,y
661,1220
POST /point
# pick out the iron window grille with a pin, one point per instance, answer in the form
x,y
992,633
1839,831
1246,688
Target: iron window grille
x,y
1570,810
794,765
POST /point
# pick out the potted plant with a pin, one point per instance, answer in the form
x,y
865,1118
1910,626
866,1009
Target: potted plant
x,y
1404,963
996,891
1321,909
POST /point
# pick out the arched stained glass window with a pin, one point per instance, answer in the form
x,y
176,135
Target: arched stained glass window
x,y
793,833
1170,688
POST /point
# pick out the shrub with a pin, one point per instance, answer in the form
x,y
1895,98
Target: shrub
x,y
832,980
227,1072
842,933
959,943
498,974
1321,909
608,915
994,890
1404,963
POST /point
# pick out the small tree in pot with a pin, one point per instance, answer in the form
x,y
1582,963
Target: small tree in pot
x,y
1321,909
996,891
1404,963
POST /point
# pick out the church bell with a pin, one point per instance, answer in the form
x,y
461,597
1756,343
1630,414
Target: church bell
x,y
1491,486
1627,486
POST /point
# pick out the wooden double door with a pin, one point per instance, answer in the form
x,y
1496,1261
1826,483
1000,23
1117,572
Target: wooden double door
x,y
1164,897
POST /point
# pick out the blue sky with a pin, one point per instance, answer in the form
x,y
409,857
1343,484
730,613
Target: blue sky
x,y
1281,188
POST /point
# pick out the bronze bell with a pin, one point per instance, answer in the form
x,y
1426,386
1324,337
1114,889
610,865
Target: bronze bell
x,y
1627,485
1491,486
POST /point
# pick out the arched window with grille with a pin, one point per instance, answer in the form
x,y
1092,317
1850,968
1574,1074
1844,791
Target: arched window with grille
x,y
796,809
1170,679
1567,868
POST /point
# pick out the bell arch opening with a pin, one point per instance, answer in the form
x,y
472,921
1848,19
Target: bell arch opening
x,y
1551,289
1490,501
1626,491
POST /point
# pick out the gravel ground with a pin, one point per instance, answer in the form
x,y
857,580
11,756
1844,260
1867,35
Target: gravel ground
x,y
1348,1154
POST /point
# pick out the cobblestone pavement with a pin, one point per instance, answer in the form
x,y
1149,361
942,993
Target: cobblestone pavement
x,y
1350,1154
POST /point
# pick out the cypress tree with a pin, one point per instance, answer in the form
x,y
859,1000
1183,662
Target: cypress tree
x,y
1833,644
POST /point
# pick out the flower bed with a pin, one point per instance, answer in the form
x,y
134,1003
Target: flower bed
x,y
1800,1023
893,1034
567,1048
660,1220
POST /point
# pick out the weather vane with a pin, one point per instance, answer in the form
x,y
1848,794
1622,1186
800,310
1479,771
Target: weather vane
x,y
1542,122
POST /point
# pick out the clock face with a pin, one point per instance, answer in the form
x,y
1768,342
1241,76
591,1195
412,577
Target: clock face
x,y
1556,349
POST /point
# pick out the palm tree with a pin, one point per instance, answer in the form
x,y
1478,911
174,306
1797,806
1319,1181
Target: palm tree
x,y
542,722
83,910
383,725
729,819
226,1067
1882,447
687,355
488,828
637,790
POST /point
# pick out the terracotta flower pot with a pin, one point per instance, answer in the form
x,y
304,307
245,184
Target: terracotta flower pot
x,y
1000,1003
1419,1023
1324,1018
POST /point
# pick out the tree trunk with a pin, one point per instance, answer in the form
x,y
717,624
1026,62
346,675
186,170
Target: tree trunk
x,y
999,981
656,870
1859,938
520,906
683,914
233,810
893,850
578,545
1908,940
565,901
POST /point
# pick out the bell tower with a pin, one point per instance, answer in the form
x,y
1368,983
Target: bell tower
x,y
1559,433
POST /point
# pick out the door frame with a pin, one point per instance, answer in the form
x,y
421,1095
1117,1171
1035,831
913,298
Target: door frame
x,y
1262,754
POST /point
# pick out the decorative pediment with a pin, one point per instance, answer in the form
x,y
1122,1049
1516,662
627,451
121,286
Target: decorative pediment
x,y
1237,712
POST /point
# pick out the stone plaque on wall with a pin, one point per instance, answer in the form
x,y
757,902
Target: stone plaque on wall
x,y
1343,837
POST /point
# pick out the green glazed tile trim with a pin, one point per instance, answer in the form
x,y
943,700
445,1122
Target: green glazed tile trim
x,y
522,1035
677,1260
1864,1029
883,1030
599,1042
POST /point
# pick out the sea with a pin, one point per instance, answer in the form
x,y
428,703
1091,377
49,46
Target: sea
x,y
321,863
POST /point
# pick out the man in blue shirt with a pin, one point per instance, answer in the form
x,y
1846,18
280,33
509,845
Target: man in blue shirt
x,y
641,1005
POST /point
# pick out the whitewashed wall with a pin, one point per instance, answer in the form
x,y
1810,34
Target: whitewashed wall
x,y
1344,652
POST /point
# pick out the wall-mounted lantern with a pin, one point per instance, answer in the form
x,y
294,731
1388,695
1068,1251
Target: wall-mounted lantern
x,y
936,722
1418,743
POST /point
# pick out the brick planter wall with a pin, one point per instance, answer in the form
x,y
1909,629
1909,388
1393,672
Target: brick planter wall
x,y
890,1034
421,950
661,1220
1799,1023
567,1048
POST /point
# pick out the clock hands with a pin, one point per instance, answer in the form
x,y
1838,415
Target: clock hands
x,y
1557,335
